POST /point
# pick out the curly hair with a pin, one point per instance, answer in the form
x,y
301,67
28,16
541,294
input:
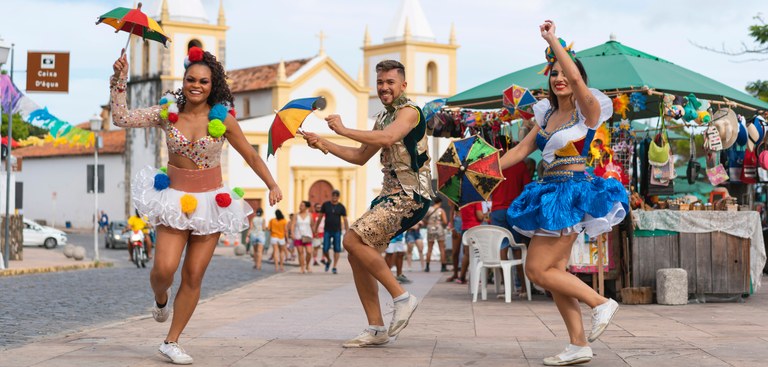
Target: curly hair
x,y
220,92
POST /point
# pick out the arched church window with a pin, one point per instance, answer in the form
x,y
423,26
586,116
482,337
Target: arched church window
x,y
193,43
431,77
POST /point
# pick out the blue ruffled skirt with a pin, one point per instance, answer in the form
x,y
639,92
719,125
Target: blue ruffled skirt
x,y
565,204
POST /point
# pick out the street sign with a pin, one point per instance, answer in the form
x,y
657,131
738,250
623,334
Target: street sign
x,y
47,71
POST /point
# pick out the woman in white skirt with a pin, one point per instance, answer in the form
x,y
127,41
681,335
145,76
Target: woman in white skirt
x,y
187,201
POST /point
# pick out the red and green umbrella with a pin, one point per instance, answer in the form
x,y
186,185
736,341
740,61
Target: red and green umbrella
x,y
134,21
468,171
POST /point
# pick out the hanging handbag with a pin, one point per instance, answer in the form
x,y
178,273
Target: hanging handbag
x,y
306,239
749,170
692,172
715,170
658,151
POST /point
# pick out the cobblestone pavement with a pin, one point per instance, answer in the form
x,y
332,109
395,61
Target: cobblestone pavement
x,y
46,304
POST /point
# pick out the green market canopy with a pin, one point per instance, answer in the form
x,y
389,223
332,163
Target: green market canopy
x,y
615,68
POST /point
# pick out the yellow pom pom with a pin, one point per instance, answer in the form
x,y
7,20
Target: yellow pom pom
x,y
164,114
188,204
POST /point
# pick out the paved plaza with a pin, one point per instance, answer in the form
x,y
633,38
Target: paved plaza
x,y
290,319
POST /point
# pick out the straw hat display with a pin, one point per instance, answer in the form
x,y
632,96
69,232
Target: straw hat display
x,y
727,124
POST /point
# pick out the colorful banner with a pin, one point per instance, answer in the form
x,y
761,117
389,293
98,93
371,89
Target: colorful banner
x,y
61,132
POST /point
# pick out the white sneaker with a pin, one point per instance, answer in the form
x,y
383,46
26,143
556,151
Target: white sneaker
x,y
366,339
175,353
601,317
161,314
572,354
403,312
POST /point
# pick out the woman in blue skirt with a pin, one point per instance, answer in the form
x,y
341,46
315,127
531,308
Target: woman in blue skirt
x,y
566,201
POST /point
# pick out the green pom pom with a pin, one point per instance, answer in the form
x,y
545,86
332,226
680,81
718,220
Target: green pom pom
x,y
238,192
164,114
216,128
164,170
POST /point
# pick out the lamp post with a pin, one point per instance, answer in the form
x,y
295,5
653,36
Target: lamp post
x,y
95,128
5,50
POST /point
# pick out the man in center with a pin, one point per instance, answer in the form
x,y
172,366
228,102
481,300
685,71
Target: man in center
x,y
406,193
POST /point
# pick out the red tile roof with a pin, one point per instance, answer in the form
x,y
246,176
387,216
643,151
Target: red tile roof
x,y
260,77
114,143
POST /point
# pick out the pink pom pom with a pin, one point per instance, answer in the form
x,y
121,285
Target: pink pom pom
x,y
223,200
195,54
173,117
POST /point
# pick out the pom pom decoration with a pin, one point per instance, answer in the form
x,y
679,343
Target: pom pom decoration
x,y
173,108
162,181
195,54
621,105
223,200
550,56
703,117
238,192
173,117
188,204
233,112
169,98
164,169
218,112
216,128
163,101
164,114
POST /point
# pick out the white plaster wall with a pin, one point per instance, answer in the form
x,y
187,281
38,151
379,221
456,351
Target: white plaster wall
x,y
66,176
345,101
15,176
261,103
179,47
443,72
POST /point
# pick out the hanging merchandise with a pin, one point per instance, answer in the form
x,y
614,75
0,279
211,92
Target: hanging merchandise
x,y
735,163
692,172
621,105
637,100
519,101
742,137
749,170
658,151
712,139
727,124
715,170
755,133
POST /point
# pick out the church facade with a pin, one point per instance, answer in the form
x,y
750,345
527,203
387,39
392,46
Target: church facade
x,y
301,172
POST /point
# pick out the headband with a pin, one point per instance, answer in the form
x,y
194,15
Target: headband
x,y
550,56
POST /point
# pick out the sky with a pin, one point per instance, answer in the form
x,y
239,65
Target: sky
x,y
496,36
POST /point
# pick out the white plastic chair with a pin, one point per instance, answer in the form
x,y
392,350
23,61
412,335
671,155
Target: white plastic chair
x,y
486,239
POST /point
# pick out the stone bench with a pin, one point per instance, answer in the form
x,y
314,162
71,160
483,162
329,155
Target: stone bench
x,y
671,286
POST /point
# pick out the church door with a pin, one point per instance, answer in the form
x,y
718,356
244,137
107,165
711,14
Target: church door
x,y
320,192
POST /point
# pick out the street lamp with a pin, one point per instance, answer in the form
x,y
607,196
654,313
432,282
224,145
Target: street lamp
x,y
5,50
95,128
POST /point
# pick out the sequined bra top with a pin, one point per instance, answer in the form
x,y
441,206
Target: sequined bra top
x,y
204,152
568,144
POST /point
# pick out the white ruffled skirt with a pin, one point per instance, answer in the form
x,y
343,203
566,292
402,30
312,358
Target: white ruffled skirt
x,y
208,206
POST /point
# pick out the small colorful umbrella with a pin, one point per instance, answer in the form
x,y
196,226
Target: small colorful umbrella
x,y
289,119
468,171
519,101
134,21
432,107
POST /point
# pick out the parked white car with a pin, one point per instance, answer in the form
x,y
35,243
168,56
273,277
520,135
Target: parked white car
x,y
37,235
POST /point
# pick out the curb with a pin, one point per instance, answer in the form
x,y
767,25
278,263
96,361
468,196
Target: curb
x,y
51,269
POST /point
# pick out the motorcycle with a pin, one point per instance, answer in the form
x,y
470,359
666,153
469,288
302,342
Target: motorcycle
x,y
137,249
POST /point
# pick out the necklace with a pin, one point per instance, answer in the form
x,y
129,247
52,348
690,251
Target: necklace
x,y
216,128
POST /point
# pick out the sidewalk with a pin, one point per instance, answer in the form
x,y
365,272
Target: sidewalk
x,y
292,319
41,260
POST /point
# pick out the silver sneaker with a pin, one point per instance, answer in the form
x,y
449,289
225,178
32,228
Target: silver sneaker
x,y
161,314
403,312
367,338
175,353
601,317
572,354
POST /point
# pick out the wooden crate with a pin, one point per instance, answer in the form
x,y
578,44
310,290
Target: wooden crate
x,y
650,254
716,262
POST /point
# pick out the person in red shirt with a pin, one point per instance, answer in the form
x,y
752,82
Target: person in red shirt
x,y
471,216
516,177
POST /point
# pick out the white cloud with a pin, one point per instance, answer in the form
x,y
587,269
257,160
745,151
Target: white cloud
x,y
496,36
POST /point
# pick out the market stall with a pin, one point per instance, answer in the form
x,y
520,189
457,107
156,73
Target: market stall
x,y
709,124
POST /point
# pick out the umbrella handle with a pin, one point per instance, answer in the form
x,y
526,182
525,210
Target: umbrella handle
x,y
128,41
318,146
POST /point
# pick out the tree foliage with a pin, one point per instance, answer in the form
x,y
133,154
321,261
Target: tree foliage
x,y
20,128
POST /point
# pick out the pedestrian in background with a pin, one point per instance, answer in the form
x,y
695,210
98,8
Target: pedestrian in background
x,y
334,214
436,221
317,241
256,238
303,223
413,240
278,232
